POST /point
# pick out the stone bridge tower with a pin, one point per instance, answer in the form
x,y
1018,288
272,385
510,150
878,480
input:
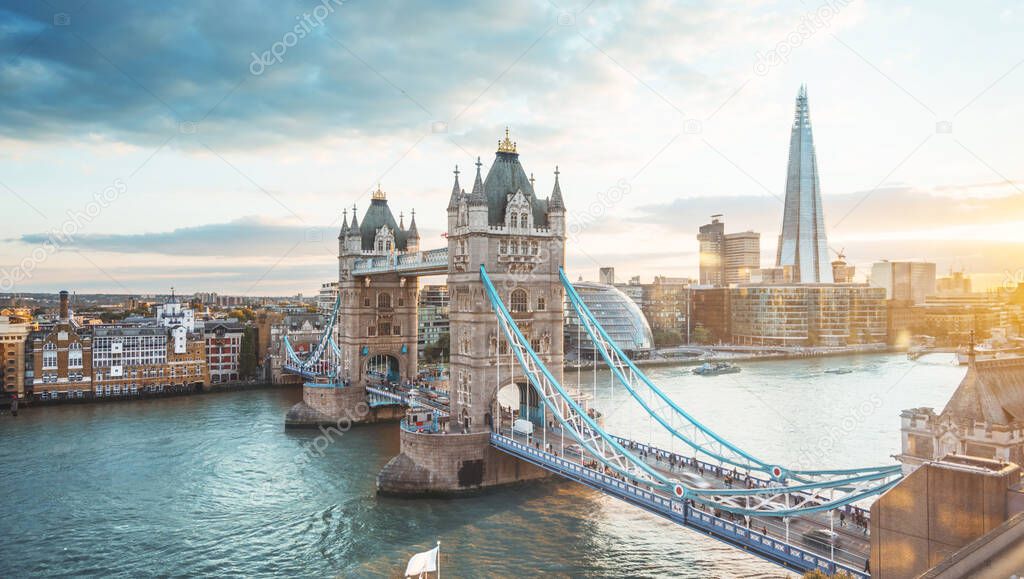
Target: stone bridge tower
x,y
377,321
520,238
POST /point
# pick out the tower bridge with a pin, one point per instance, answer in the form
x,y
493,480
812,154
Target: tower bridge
x,y
504,264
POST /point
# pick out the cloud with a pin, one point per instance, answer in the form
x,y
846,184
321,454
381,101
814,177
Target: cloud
x,y
243,237
135,73
247,236
896,208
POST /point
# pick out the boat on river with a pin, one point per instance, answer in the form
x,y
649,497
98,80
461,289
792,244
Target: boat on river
x,y
716,368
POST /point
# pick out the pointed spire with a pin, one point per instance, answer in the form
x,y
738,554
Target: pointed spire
x,y
401,220
453,201
556,194
413,232
354,228
344,224
477,197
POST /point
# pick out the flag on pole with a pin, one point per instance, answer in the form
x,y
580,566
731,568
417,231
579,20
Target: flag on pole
x,y
423,563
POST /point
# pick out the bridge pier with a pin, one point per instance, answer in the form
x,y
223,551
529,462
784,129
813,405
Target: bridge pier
x,y
329,405
451,464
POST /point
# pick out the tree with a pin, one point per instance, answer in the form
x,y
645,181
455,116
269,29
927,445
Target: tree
x,y
247,356
243,314
701,335
439,350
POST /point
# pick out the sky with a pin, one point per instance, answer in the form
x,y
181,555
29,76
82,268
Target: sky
x,y
213,146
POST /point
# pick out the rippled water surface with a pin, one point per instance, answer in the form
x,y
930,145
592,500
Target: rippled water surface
x,y
213,485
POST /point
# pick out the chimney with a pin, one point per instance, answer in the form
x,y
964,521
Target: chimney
x,y
64,306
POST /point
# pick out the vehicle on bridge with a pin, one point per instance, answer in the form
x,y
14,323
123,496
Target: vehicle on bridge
x,y
522,426
822,539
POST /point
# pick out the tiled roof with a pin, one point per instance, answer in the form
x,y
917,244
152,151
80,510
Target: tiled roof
x,y
992,392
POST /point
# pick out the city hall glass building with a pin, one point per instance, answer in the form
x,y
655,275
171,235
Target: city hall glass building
x,y
617,313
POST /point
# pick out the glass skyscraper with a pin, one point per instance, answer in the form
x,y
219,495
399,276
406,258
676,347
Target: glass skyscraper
x,y
802,244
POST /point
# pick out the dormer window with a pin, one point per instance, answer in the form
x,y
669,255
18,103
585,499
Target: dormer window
x,y
385,240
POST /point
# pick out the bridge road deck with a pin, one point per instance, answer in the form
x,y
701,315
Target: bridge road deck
x,y
853,546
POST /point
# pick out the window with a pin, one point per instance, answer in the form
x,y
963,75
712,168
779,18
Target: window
x,y
383,300
535,344
541,304
398,330
371,331
384,328
75,355
519,301
523,221
366,301
49,356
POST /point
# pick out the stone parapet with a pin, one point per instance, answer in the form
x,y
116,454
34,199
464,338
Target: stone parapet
x,y
451,464
324,405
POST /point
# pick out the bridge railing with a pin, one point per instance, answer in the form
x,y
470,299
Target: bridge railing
x,y
429,259
738,475
772,549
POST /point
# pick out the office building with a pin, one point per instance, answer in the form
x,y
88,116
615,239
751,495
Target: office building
x,y
432,316
742,256
904,280
710,321
811,315
802,243
727,258
957,283
712,252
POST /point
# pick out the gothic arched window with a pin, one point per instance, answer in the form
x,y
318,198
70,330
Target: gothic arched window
x,y
523,222
383,300
518,301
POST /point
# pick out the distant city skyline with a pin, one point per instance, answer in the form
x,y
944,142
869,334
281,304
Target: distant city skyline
x,y
211,171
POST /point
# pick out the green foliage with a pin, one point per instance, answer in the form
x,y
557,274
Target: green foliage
x,y
243,314
700,335
439,351
247,361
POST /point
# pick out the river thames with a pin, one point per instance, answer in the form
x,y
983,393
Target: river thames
x,y
214,485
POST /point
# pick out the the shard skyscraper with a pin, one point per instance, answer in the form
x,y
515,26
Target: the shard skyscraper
x,y
802,244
